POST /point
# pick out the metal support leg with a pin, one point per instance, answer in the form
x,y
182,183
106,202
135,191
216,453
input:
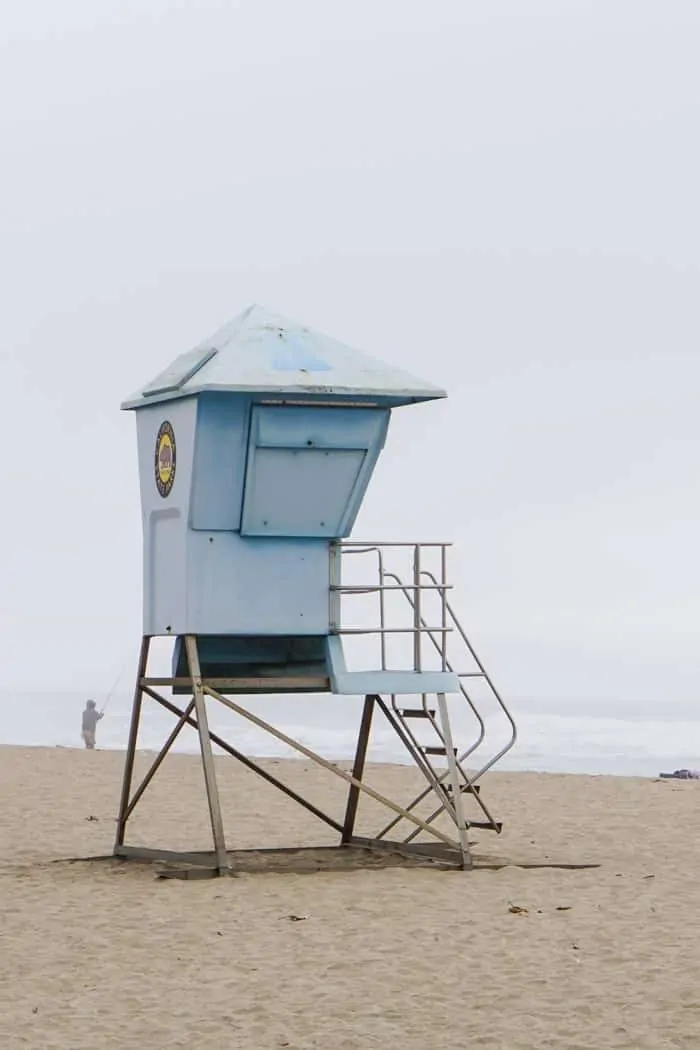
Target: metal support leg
x,y
131,746
358,769
217,824
453,777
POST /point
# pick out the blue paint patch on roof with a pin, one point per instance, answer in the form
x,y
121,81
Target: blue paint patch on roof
x,y
294,356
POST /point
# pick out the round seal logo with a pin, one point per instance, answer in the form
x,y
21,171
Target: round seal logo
x,y
165,459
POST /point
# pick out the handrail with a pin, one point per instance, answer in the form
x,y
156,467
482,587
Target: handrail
x,y
496,758
464,754
449,667
487,679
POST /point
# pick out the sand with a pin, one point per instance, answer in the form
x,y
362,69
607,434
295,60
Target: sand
x,y
104,955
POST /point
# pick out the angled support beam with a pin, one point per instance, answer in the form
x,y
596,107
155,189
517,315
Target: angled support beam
x,y
159,759
244,760
453,773
131,746
319,760
217,824
421,762
358,769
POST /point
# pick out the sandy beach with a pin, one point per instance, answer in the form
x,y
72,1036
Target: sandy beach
x,y
104,954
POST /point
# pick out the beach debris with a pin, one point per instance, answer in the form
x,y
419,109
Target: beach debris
x,y
516,909
295,918
648,876
563,907
91,817
576,947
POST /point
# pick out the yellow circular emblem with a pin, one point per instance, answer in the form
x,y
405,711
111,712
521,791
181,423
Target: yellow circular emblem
x,y
165,459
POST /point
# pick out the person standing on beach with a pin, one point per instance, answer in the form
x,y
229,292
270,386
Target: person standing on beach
x,y
91,717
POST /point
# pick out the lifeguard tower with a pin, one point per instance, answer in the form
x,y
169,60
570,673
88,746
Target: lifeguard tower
x,y
255,453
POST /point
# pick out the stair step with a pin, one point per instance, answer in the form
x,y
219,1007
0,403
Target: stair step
x,y
437,750
416,712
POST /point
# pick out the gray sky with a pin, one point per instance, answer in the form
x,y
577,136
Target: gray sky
x,y
499,196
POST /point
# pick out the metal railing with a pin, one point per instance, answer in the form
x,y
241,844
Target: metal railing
x,y
420,582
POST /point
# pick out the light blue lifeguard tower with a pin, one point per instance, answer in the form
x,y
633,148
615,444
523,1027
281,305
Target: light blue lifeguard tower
x,y
255,452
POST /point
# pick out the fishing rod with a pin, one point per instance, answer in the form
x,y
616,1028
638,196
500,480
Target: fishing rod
x,y
112,691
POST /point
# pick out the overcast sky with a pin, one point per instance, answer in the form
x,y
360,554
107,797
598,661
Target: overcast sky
x,y
501,197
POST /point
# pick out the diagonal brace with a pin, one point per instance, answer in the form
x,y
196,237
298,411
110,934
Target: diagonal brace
x,y
184,718
244,760
313,757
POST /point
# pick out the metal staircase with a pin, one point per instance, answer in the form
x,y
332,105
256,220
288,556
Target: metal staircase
x,y
426,721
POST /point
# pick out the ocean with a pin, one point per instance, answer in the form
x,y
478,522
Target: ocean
x,y
555,738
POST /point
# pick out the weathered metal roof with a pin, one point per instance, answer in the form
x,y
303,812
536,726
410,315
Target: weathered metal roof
x,y
261,352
